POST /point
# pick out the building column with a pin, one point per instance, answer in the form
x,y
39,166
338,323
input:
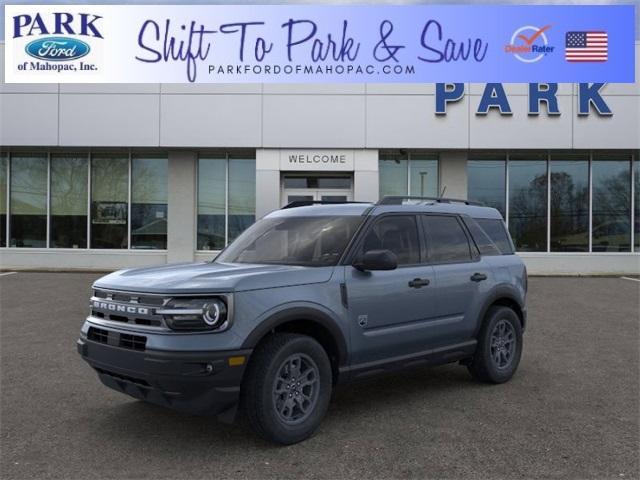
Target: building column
x,y
267,181
182,210
365,176
453,174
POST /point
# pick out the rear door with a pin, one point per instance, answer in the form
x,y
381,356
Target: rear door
x,y
461,277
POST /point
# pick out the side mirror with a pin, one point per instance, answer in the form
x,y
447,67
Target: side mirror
x,y
376,260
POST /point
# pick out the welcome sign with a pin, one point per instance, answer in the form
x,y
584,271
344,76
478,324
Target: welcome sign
x,y
327,44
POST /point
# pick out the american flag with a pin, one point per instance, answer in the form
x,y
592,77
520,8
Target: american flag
x,y
586,47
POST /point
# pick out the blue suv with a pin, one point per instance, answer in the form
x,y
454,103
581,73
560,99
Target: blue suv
x,y
309,296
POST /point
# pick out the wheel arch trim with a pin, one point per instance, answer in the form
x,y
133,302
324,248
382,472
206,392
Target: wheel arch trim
x,y
300,313
503,292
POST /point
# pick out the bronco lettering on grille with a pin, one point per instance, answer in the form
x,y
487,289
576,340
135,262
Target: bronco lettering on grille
x,y
115,307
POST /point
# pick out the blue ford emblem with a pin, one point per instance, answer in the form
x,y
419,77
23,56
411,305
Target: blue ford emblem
x,y
57,49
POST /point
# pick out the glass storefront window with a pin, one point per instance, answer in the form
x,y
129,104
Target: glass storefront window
x,y
242,196
227,197
611,185
225,211
28,210
528,202
393,174
109,201
408,174
486,181
212,174
569,220
149,196
4,162
423,176
68,209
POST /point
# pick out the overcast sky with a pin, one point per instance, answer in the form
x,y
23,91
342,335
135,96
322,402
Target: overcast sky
x,y
316,2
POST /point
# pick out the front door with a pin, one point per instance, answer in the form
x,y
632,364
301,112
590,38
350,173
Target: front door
x,y
391,313
316,188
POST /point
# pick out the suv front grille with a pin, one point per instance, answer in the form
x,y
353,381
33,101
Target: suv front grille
x,y
142,299
122,340
129,308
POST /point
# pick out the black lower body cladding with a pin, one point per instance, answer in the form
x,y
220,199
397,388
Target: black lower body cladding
x,y
202,383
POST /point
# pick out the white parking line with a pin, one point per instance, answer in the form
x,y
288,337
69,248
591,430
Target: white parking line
x,y
7,273
632,279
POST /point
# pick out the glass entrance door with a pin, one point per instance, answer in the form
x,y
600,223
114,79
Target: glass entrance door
x,y
314,188
295,195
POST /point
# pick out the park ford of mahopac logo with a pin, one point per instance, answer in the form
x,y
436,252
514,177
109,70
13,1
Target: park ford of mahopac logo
x,y
56,40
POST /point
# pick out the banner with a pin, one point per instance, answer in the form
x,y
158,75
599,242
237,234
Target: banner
x,y
322,44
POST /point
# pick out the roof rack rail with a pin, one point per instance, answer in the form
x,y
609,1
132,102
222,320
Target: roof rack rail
x,y
306,203
398,199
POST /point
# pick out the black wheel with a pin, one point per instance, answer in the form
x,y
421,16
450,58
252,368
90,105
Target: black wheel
x,y
287,388
499,347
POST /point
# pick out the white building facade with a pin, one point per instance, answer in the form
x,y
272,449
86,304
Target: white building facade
x,y
101,177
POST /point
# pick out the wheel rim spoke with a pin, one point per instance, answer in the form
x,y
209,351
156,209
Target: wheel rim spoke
x,y
502,344
295,389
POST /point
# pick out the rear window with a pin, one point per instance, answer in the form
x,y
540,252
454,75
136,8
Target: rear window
x,y
481,239
446,240
497,232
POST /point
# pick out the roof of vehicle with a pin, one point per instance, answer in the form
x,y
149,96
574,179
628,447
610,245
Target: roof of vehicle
x,y
413,206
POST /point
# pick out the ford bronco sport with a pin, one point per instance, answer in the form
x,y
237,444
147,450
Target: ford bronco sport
x,y
307,297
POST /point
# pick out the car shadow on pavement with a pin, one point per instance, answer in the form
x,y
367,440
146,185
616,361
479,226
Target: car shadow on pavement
x,y
133,420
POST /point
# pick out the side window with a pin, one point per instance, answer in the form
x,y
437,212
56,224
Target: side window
x,y
482,240
497,232
446,239
398,234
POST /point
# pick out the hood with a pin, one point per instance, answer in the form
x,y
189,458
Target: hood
x,y
211,277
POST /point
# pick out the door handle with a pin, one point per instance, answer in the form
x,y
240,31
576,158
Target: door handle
x,y
478,277
418,282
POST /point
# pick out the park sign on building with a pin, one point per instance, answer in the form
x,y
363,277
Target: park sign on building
x,y
319,44
494,97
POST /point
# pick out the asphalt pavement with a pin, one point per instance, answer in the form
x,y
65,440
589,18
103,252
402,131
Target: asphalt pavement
x,y
571,411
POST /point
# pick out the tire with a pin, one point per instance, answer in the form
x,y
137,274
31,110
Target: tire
x,y
275,406
499,363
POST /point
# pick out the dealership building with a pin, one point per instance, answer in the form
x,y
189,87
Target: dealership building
x,y
104,176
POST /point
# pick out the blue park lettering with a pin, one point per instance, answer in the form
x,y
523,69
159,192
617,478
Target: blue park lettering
x,y
494,97
61,23
543,93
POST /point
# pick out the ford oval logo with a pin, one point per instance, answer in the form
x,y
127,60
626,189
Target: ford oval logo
x,y
57,49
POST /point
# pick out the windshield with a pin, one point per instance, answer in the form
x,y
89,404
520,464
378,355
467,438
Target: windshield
x,y
317,241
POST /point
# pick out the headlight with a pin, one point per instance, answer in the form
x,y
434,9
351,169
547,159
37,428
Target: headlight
x,y
214,313
195,314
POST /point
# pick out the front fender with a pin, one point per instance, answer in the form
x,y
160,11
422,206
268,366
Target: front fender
x,y
300,311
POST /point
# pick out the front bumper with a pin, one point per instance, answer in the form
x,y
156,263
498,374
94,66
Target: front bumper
x,y
202,383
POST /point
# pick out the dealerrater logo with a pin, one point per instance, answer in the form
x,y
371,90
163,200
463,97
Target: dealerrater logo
x,y
56,38
529,44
